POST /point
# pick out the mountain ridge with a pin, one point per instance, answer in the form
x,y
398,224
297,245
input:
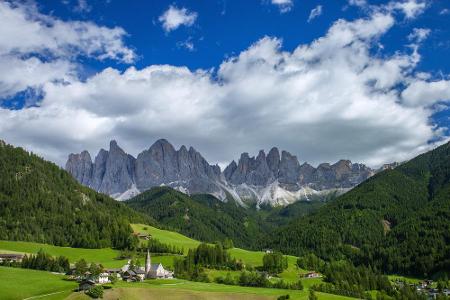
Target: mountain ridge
x,y
274,179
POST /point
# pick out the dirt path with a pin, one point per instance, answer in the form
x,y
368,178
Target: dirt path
x,y
45,295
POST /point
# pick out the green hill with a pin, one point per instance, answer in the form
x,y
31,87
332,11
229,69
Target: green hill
x,y
205,218
17,284
254,258
397,221
202,217
40,202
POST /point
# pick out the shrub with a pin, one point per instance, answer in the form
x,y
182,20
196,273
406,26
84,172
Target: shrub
x,y
95,292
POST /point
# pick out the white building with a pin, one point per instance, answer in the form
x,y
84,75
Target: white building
x,y
103,278
156,271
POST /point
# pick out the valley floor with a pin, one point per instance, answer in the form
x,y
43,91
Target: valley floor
x,y
20,284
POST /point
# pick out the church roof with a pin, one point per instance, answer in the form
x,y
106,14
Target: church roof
x,y
154,266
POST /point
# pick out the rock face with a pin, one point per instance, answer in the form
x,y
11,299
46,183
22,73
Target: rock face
x,y
120,175
281,180
272,179
80,166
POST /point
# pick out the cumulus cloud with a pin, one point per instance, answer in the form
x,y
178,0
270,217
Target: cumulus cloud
x,y
411,8
49,35
47,47
419,34
315,12
283,5
329,99
175,17
424,93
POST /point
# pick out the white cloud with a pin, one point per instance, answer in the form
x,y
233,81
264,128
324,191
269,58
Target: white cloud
x,y
419,34
48,47
188,44
425,93
46,34
82,6
283,5
315,12
175,17
360,3
329,99
445,11
411,8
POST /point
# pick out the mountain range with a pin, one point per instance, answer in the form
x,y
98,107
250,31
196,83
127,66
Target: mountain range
x,y
273,179
395,221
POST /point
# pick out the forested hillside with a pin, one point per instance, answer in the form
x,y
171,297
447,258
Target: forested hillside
x,y
206,218
202,217
397,221
40,202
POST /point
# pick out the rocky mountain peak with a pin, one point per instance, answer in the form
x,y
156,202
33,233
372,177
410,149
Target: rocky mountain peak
x,y
273,160
80,166
261,178
113,145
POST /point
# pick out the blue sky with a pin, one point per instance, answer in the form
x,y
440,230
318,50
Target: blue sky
x,y
325,80
224,28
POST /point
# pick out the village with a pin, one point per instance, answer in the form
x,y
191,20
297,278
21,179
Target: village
x,y
135,273
87,280
127,273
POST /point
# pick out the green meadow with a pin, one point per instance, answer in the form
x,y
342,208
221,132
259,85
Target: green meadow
x,y
253,258
106,257
16,283
43,283
167,237
180,289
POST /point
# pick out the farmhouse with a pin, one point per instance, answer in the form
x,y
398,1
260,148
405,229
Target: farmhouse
x,y
85,285
144,236
114,272
8,257
312,275
129,275
103,278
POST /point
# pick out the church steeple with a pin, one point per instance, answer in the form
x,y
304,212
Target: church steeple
x,y
148,263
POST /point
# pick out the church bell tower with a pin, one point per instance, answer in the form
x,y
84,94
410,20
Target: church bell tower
x,y
148,264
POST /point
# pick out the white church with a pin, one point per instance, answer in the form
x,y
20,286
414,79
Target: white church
x,y
156,271
150,271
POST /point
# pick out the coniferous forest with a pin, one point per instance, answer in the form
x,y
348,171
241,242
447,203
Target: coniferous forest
x,y
40,202
398,221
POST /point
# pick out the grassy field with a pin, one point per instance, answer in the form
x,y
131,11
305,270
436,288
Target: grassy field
x,y
403,278
253,258
167,237
106,256
180,289
18,283
154,289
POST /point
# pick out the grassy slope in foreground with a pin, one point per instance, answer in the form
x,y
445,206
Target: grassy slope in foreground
x,y
105,256
253,258
180,289
18,283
